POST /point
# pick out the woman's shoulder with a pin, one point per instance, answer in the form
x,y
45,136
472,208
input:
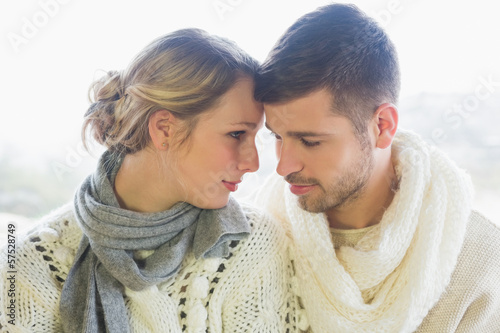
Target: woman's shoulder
x,y
43,257
50,244
57,227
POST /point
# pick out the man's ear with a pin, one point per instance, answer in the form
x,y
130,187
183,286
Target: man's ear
x,y
161,128
386,121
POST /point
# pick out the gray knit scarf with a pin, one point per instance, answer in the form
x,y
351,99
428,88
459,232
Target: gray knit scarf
x,y
92,298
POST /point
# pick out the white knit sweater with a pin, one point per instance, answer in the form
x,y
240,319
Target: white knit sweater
x,y
446,271
246,292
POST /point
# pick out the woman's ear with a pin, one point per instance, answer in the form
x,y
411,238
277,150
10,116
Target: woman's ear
x,y
161,128
386,119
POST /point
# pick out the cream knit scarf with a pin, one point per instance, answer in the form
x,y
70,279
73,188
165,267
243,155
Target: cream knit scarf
x,y
396,273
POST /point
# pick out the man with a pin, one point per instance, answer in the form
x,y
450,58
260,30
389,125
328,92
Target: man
x,y
384,238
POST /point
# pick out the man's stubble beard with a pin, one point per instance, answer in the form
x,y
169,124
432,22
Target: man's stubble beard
x,y
344,190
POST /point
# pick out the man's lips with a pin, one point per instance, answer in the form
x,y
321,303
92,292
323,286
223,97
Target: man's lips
x,y
301,189
231,186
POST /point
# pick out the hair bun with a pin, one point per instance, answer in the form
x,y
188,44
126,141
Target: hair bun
x,y
108,88
104,93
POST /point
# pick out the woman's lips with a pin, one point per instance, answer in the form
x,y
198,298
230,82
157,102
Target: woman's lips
x,y
231,186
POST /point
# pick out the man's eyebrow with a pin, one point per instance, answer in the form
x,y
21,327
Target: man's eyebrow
x,y
299,134
246,123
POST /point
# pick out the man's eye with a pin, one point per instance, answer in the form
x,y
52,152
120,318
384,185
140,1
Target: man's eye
x,y
308,143
236,134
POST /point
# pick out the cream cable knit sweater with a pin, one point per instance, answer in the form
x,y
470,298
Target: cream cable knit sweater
x,y
246,292
429,266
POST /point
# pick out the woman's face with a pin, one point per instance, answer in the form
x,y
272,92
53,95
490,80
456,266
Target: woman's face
x,y
221,148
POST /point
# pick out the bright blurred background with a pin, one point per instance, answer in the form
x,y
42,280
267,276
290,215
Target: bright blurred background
x,y
53,49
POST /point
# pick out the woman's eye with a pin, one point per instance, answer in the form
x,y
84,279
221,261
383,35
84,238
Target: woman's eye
x,y
308,143
276,136
236,134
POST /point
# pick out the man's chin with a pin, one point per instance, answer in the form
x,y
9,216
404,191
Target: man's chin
x,y
309,205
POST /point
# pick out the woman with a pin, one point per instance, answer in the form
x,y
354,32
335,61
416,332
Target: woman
x,y
153,242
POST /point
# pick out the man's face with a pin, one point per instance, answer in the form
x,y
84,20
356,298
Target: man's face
x,y
325,163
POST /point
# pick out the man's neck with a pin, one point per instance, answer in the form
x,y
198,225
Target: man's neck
x,y
369,207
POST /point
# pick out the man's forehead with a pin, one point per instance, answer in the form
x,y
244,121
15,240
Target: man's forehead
x,y
319,102
300,127
322,93
299,116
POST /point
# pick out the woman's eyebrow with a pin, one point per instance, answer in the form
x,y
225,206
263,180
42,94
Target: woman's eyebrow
x,y
246,123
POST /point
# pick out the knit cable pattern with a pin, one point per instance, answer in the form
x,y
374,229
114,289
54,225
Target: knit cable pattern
x,y
245,292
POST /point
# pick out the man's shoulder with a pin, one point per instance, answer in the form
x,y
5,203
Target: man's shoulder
x,y
469,303
481,232
481,248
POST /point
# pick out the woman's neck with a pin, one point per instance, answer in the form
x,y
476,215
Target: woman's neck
x,y
141,183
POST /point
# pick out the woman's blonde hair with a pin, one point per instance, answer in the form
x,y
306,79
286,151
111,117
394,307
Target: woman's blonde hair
x,y
185,72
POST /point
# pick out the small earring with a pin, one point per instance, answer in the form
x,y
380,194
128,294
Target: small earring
x,y
164,144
